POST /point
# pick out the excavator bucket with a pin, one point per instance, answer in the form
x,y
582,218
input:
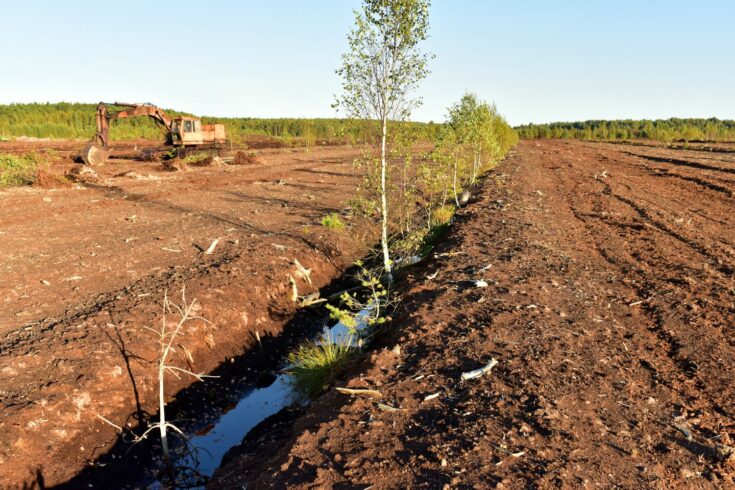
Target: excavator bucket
x,y
94,155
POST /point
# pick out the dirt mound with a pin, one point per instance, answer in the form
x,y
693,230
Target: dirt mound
x,y
82,174
209,161
149,155
247,158
50,180
175,165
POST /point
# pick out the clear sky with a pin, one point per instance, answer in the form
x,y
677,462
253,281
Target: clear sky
x,y
537,60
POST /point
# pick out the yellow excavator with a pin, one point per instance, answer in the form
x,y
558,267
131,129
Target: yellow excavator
x,y
179,131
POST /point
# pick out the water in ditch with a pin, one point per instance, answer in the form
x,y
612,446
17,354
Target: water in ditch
x,y
203,453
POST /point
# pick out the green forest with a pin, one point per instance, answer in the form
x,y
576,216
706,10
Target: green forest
x,y
76,121
664,130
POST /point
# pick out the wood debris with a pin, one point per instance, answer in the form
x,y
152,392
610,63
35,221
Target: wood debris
x,y
302,272
350,391
294,289
388,408
211,247
479,372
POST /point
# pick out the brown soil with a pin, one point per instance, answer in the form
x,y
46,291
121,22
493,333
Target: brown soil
x,y
71,147
84,270
210,161
249,158
610,309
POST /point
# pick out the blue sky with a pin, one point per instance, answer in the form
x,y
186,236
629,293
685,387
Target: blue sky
x,y
537,60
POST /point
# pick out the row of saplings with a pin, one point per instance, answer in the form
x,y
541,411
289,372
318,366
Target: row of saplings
x,y
411,195
410,188
426,182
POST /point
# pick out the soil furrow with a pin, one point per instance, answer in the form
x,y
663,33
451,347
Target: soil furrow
x,y
609,330
684,163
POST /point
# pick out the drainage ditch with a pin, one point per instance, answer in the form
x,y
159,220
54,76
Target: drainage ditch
x,y
215,414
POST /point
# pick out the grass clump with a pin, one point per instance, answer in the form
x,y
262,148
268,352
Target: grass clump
x,y
423,240
333,222
18,170
442,215
313,365
194,158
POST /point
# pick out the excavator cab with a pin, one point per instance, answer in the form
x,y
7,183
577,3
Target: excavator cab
x,y
189,131
186,131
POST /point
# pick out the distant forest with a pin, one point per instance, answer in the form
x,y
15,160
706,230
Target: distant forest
x,y
665,130
76,121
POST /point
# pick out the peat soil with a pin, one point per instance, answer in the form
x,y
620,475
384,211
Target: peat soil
x,y
609,305
83,272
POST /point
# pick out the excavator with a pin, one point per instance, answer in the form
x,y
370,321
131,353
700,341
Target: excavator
x,y
179,131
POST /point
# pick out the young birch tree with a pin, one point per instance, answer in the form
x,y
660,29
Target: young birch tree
x,y
383,65
473,121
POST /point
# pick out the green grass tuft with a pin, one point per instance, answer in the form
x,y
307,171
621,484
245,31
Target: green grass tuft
x,y
333,222
194,158
18,169
315,364
442,215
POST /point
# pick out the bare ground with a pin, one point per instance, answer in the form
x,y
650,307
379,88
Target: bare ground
x,y
84,270
610,308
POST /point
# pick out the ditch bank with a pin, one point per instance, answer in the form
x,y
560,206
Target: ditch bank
x,y
84,384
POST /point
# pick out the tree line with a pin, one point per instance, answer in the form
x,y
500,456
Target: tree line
x,y
66,120
664,130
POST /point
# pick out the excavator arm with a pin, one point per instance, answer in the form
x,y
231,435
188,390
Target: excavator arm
x,y
104,116
97,151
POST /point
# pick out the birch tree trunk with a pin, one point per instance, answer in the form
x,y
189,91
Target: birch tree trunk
x,y
454,182
162,419
476,164
384,203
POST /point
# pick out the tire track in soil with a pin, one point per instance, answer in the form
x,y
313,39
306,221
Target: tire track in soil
x,y
658,314
21,341
656,319
624,267
713,257
705,184
687,365
683,163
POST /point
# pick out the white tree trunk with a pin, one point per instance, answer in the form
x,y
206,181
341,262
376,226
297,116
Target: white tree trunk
x,y
475,167
454,182
384,202
162,418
